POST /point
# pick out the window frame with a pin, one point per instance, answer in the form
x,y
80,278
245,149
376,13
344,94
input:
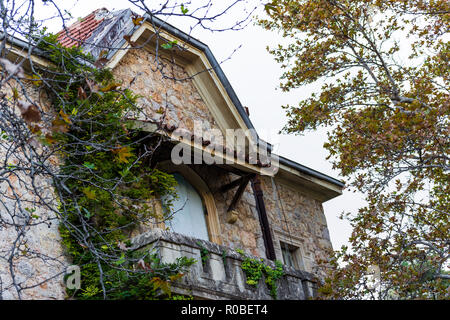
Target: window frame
x,y
211,213
294,253
293,241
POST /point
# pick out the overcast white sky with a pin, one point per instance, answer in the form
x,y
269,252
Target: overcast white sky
x,y
254,75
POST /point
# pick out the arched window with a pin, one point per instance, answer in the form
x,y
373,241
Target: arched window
x,y
195,212
188,211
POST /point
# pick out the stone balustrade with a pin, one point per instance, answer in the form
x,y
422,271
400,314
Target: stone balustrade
x,y
221,276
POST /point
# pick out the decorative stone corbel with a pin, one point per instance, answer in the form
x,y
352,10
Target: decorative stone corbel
x,y
232,216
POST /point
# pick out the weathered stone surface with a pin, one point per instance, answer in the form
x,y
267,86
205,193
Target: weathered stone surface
x,y
222,277
30,247
34,249
297,215
176,101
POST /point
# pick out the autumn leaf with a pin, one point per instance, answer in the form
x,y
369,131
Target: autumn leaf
x,y
30,112
137,20
35,128
269,6
144,265
65,117
124,127
59,126
89,193
36,80
49,139
93,87
100,63
159,283
103,53
15,93
123,154
176,277
82,94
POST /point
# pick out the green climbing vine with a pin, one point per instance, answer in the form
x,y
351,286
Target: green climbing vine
x,y
254,270
272,276
204,253
224,257
103,186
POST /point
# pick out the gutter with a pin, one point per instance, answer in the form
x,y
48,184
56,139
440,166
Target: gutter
x,y
21,44
35,50
311,172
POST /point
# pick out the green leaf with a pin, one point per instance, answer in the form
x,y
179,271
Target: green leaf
x,y
169,45
88,215
89,165
184,10
120,260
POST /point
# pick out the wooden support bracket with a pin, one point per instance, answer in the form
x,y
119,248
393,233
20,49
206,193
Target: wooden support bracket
x,y
242,182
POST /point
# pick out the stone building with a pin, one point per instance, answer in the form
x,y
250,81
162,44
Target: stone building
x,y
269,209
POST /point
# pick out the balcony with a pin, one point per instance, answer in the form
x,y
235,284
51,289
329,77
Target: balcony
x,y
221,276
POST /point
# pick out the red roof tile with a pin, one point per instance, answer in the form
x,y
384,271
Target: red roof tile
x,y
81,30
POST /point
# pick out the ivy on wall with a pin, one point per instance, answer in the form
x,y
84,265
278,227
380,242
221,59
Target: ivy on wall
x,y
104,189
204,253
254,270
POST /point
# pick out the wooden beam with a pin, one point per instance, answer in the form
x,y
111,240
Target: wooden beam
x,y
231,185
238,195
263,220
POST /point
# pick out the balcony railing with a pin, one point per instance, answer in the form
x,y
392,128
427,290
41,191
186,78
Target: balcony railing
x,y
221,276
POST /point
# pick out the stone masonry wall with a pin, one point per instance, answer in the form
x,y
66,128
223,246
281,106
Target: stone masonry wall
x,y
294,217
184,106
221,276
177,102
298,219
29,237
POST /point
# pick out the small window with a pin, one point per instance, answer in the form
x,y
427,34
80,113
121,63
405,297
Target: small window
x,y
291,255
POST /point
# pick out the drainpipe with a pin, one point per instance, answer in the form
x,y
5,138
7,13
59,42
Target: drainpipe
x,y
263,221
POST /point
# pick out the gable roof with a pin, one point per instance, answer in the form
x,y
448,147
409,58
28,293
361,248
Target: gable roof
x,y
102,29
